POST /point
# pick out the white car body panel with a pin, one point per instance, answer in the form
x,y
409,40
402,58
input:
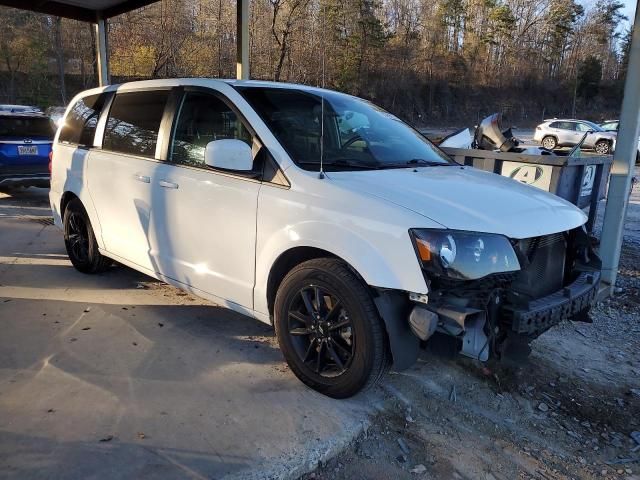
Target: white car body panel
x,y
219,235
202,233
122,200
370,234
465,198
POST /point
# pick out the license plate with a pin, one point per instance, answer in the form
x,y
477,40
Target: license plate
x,y
27,150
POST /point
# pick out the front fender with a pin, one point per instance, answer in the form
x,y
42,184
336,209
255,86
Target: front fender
x,y
385,261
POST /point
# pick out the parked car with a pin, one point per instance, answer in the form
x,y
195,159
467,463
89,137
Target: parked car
x,y
321,214
568,133
25,145
610,125
5,108
613,126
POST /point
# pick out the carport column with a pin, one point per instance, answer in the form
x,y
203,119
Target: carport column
x,y
622,168
101,52
242,40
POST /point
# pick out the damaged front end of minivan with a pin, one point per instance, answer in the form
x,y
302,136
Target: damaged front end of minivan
x,y
494,295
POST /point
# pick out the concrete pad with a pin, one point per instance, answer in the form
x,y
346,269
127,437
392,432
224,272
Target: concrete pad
x,y
119,376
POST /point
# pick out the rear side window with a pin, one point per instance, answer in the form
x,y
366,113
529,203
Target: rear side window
x,y
80,123
134,121
567,125
25,127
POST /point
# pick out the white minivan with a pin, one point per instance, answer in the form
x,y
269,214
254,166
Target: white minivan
x,y
321,214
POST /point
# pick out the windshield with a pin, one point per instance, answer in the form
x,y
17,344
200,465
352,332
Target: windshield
x,y
591,126
26,127
357,134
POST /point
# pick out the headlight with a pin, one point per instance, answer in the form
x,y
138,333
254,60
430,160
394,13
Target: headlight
x,y
464,255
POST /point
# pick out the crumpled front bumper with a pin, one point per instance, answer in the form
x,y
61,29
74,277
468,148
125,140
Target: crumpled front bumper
x,y
543,313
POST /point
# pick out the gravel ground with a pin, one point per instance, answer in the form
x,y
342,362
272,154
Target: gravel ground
x,y
573,411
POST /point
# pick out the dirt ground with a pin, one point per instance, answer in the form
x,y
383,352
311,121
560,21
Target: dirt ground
x,y
572,412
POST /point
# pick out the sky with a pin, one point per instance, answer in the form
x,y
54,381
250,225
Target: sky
x,y
630,9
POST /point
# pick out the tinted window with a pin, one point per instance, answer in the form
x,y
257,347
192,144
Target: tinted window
x,y
204,118
25,127
582,127
134,121
80,124
350,133
565,125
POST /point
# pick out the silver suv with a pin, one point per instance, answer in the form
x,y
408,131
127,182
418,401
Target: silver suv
x,y
568,133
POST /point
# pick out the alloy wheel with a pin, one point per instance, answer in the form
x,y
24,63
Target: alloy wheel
x,y
602,148
321,331
549,143
78,237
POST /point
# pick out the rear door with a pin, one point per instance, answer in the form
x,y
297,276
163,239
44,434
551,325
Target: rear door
x,y
203,221
121,173
567,134
25,143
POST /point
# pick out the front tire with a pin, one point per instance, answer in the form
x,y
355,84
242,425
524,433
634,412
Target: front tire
x,y
328,328
602,147
80,241
549,142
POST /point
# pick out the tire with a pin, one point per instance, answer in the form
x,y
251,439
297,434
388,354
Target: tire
x,y
80,241
346,326
549,142
602,147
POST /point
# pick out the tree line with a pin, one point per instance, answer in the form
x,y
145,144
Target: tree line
x,y
429,61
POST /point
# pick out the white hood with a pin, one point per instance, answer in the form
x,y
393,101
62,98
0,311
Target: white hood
x,y
465,198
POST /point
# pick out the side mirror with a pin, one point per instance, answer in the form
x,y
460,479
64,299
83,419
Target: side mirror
x,y
229,154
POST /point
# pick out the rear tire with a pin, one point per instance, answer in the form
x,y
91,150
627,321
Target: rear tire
x,y
80,241
328,328
602,147
549,142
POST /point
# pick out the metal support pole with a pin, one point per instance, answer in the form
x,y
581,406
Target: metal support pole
x,y
102,52
242,40
622,168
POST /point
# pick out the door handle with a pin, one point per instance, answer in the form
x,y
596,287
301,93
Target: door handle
x,y
165,184
142,178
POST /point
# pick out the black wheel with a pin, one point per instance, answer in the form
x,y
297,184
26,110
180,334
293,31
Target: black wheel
x,y
549,142
80,240
602,147
329,329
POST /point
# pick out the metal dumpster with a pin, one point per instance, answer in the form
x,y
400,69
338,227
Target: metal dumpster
x,y
582,180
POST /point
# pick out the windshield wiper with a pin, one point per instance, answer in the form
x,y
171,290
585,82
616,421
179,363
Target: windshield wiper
x,y
422,161
345,163
416,161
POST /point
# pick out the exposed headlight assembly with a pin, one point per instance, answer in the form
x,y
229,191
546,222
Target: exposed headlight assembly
x,y
463,255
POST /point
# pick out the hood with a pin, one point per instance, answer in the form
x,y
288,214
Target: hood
x,y
465,198
607,134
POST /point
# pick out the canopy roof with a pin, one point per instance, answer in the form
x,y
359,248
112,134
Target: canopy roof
x,y
88,11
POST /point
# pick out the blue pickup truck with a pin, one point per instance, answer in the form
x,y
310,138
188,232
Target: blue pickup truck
x,y
25,145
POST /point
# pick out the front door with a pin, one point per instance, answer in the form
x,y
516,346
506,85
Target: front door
x,y
203,221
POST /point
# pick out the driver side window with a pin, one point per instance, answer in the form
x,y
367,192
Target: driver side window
x,y
203,118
